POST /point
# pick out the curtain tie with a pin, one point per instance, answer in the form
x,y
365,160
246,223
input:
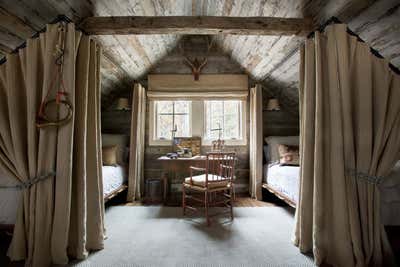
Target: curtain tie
x,y
361,176
30,182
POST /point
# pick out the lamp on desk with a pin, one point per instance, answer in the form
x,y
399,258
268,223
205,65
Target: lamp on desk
x,y
218,145
173,132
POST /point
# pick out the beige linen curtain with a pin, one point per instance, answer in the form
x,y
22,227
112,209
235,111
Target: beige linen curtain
x,y
64,209
350,128
136,155
256,141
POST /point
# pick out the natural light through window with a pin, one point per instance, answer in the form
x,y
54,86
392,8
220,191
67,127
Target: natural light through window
x,y
224,115
198,118
172,115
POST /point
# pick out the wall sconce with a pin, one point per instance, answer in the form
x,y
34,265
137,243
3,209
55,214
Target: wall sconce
x,y
273,105
123,104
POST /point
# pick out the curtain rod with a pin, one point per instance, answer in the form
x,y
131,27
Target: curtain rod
x,y
59,18
335,20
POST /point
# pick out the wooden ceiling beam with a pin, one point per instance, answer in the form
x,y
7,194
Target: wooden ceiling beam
x,y
197,25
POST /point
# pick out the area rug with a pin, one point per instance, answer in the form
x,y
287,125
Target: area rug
x,y
160,236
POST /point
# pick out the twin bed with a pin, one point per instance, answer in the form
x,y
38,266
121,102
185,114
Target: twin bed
x,y
114,182
115,175
283,181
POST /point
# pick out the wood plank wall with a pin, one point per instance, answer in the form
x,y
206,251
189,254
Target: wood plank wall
x,y
275,123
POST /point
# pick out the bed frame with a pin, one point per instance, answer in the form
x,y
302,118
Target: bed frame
x,y
115,192
279,195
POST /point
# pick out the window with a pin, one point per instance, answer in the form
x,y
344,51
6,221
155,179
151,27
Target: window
x,y
198,118
172,115
224,117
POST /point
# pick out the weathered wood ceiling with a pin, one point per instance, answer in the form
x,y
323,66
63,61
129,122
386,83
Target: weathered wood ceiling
x,y
271,59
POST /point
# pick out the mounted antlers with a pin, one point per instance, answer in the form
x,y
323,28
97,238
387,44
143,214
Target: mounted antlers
x,y
197,65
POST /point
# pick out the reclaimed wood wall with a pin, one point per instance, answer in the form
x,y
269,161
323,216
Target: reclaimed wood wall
x,y
275,123
272,59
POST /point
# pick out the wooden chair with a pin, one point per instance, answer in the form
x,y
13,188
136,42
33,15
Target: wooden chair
x,y
215,182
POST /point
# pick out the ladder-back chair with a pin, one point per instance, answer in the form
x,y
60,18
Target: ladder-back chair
x,y
216,183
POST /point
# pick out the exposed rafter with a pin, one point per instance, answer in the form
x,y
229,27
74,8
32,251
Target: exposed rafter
x,y
18,26
5,49
197,25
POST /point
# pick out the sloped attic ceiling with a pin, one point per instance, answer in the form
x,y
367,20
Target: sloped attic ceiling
x,y
271,59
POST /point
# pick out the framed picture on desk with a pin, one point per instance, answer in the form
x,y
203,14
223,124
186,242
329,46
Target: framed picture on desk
x,y
192,143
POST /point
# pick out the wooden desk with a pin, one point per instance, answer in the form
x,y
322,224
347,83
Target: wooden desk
x,y
172,168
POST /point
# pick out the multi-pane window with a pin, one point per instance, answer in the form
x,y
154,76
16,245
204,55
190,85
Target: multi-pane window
x,y
198,118
172,115
224,115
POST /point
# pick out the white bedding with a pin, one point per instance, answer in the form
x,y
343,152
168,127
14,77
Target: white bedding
x,y
113,177
284,179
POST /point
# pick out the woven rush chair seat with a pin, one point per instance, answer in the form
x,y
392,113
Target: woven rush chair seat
x,y
215,181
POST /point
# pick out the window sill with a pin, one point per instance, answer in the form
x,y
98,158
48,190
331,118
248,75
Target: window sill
x,y
227,143
207,143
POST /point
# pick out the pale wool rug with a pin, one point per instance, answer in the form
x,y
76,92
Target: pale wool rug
x,y
160,236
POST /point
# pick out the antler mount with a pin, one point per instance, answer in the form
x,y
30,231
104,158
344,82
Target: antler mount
x,y
197,64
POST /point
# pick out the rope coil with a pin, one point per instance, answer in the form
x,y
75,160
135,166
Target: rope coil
x,y
43,119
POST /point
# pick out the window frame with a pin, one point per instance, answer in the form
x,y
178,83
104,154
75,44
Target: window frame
x,y
242,125
197,122
153,139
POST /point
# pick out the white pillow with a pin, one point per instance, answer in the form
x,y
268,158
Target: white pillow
x,y
274,141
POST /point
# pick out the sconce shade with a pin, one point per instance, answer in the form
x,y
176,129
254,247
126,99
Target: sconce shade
x,y
273,104
123,104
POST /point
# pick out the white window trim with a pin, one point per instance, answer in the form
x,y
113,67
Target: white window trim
x,y
231,142
198,125
153,141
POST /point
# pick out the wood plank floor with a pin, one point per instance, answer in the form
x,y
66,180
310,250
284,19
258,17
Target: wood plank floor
x,y
242,200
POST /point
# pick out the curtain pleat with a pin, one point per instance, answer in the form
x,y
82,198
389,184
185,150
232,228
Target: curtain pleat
x,y
63,215
76,242
256,142
349,126
64,155
94,183
136,155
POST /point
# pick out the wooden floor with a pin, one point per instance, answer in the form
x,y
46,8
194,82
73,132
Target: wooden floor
x,y
241,201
